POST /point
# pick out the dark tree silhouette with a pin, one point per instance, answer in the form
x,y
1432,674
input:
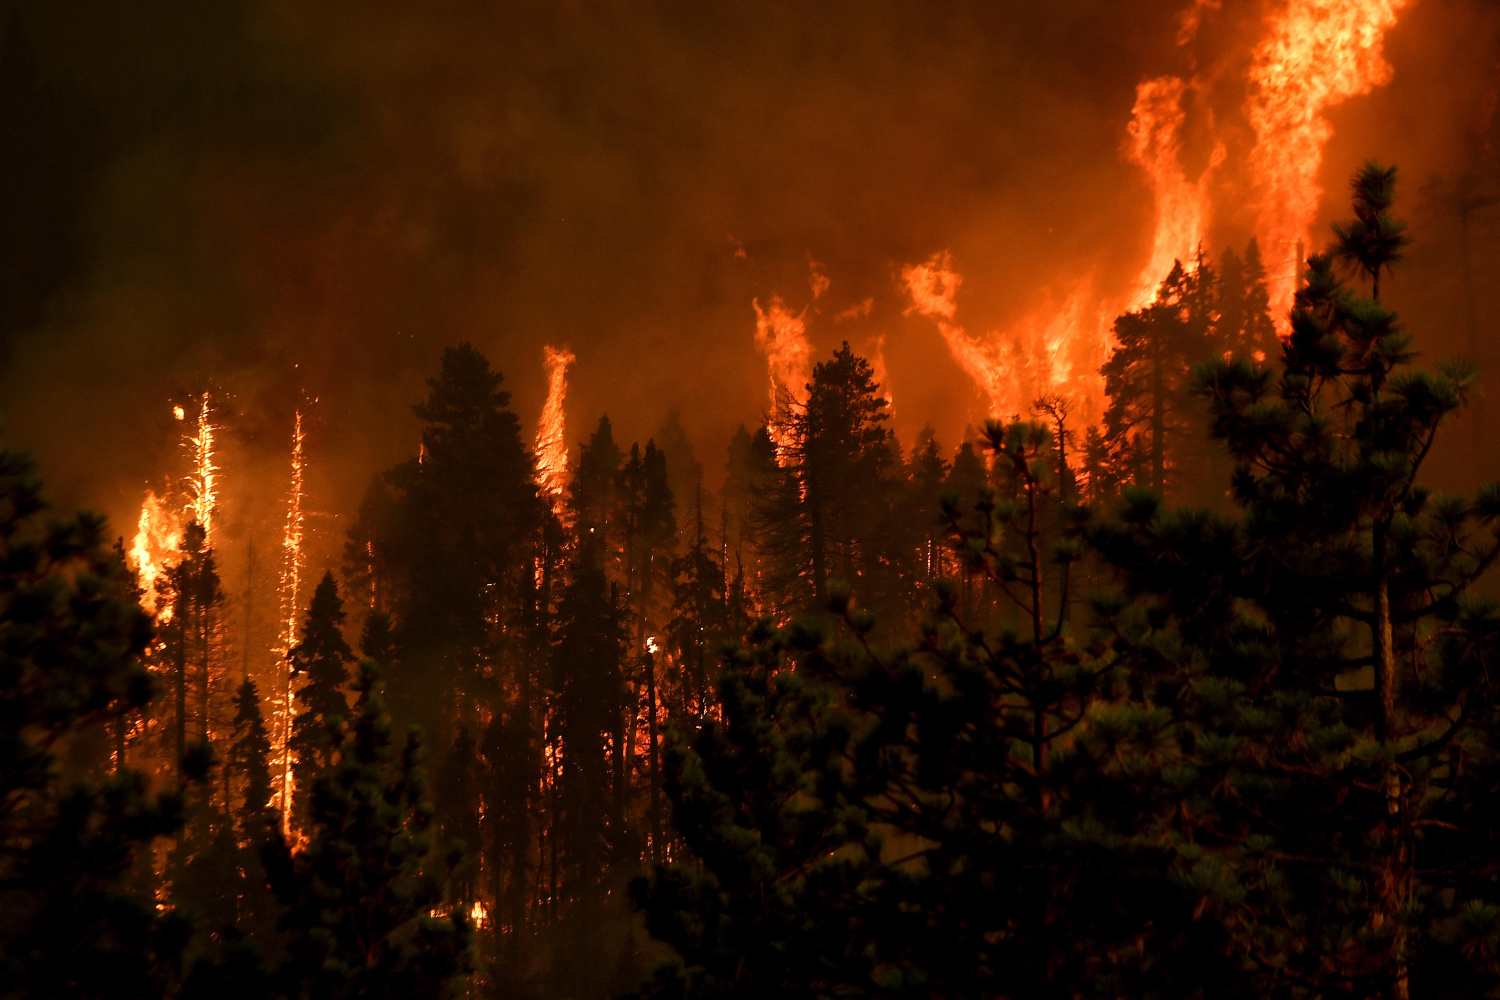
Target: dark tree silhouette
x,y
320,662
71,639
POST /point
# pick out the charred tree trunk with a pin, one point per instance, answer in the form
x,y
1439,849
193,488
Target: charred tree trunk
x,y
1394,877
655,816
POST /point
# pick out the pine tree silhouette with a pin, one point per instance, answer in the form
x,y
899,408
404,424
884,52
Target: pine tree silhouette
x,y
1328,654
70,665
320,662
361,898
1148,375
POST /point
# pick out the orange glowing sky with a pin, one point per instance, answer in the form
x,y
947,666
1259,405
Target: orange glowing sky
x,y
279,202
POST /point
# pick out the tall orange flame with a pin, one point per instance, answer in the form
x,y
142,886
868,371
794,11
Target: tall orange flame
x,y
1058,347
781,336
551,434
1317,54
292,563
1155,132
156,549
205,489
1053,351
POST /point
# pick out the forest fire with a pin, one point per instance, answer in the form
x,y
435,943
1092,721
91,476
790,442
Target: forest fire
x,y
156,547
1317,54
1182,206
702,671
292,563
1056,351
155,550
204,481
551,434
781,335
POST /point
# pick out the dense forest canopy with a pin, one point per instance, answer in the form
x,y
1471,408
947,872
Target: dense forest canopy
x,y
1204,707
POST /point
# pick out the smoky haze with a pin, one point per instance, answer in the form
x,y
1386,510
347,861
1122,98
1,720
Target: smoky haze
x,y
299,205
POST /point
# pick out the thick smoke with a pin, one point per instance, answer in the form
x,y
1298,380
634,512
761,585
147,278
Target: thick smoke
x,y
298,205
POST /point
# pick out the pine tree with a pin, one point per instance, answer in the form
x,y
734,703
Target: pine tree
x,y
1148,374
449,534
70,665
320,661
698,623
459,785
820,513
651,534
1331,692
923,504
376,640
1258,333
361,898
748,472
594,500
959,820
193,593
250,759
509,794
588,691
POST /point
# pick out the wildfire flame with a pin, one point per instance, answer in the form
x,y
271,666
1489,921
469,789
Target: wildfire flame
x,y
158,538
1155,132
205,489
781,336
291,583
1317,54
551,436
1052,351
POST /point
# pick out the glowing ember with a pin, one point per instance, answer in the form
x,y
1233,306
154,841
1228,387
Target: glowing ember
x,y
1317,54
291,582
551,435
156,549
179,413
1181,206
374,585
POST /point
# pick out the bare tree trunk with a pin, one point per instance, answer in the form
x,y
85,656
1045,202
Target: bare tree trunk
x,y
655,767
1393,879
